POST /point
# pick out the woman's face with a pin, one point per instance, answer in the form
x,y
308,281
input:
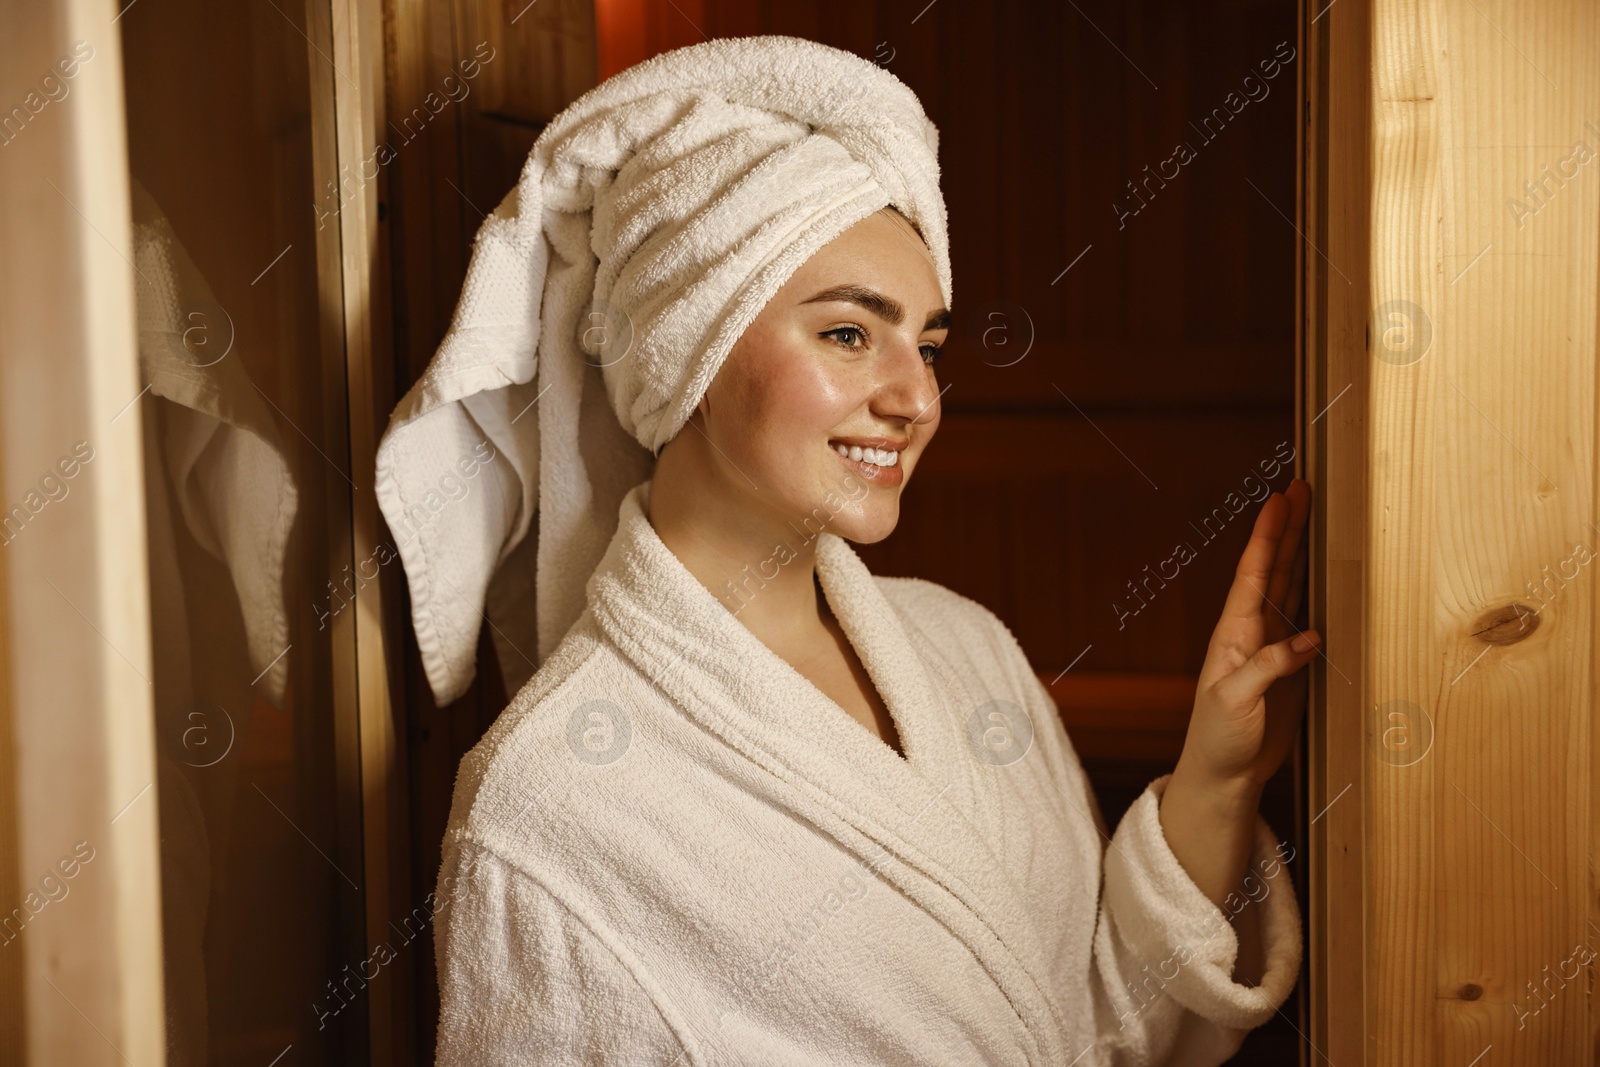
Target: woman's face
x,y
822,410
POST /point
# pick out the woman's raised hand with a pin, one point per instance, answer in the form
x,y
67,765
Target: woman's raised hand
x,y
1244,716
1238,736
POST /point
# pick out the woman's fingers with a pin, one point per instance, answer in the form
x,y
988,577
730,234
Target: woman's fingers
x,y
1255,676
1297,580
1254,572
1299,497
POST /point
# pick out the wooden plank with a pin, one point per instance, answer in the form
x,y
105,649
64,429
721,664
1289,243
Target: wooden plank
x,y
545,53
77,594
329,513
1300,763
1338,188
12,975
1482,464
362,125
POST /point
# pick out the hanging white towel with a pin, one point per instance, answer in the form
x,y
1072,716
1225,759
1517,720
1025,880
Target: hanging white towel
x,y
653,220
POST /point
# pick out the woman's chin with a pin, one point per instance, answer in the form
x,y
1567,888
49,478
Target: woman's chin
x,y
869,526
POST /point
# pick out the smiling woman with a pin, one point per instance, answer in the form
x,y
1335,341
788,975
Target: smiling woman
x,y
722,540
830,377
649,839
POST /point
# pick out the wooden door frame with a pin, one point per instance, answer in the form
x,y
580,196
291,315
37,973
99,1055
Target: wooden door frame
x,y
1335,172
354,280
77,655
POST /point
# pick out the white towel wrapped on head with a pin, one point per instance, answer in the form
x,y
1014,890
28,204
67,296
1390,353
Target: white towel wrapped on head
x,y
653,220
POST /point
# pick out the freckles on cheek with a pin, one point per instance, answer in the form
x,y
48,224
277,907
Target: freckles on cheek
x,y
804,400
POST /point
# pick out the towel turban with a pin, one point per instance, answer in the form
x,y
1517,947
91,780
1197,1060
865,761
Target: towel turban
x,y
652,221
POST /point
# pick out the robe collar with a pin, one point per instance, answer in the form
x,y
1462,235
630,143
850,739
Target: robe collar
x,y
905,816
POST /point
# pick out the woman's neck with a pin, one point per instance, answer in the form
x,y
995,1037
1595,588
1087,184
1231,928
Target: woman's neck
x,y
761,567
760,561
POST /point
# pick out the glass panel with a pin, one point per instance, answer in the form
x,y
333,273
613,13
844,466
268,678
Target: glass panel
x,y
248,488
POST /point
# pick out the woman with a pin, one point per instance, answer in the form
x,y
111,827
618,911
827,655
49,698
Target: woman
x,y
757,806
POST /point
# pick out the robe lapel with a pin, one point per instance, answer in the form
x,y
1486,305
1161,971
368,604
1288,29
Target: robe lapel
x,y
904,817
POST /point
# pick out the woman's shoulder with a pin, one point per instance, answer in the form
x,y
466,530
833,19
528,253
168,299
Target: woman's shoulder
x,y
521,752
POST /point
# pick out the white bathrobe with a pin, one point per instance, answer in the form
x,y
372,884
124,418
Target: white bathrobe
x,y
672,848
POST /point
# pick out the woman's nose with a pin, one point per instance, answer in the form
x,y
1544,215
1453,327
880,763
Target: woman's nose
x,y
907,389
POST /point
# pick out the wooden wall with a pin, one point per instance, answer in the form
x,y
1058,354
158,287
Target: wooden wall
x,y
1457,299
1122,376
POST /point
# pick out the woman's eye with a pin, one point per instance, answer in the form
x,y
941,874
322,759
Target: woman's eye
x,y
855,337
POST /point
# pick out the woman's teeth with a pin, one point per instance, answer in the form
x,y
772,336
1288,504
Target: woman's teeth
x,y
881,457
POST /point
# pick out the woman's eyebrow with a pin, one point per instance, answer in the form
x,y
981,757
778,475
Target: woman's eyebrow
x,y
882,306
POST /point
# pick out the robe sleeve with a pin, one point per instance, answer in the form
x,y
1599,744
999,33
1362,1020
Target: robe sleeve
x,y
1164,954
524,980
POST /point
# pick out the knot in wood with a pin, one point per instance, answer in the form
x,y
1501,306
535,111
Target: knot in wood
x,y
1506,625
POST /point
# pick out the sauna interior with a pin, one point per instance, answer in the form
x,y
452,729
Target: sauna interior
x,y
1198,250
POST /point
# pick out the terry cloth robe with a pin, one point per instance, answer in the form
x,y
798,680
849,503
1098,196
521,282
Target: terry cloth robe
x,y
673,849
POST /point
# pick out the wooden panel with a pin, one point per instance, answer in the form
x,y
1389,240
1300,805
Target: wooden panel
x,y
360,119
77,599
1463,460
1336,220
547,53
12,976
1483,464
